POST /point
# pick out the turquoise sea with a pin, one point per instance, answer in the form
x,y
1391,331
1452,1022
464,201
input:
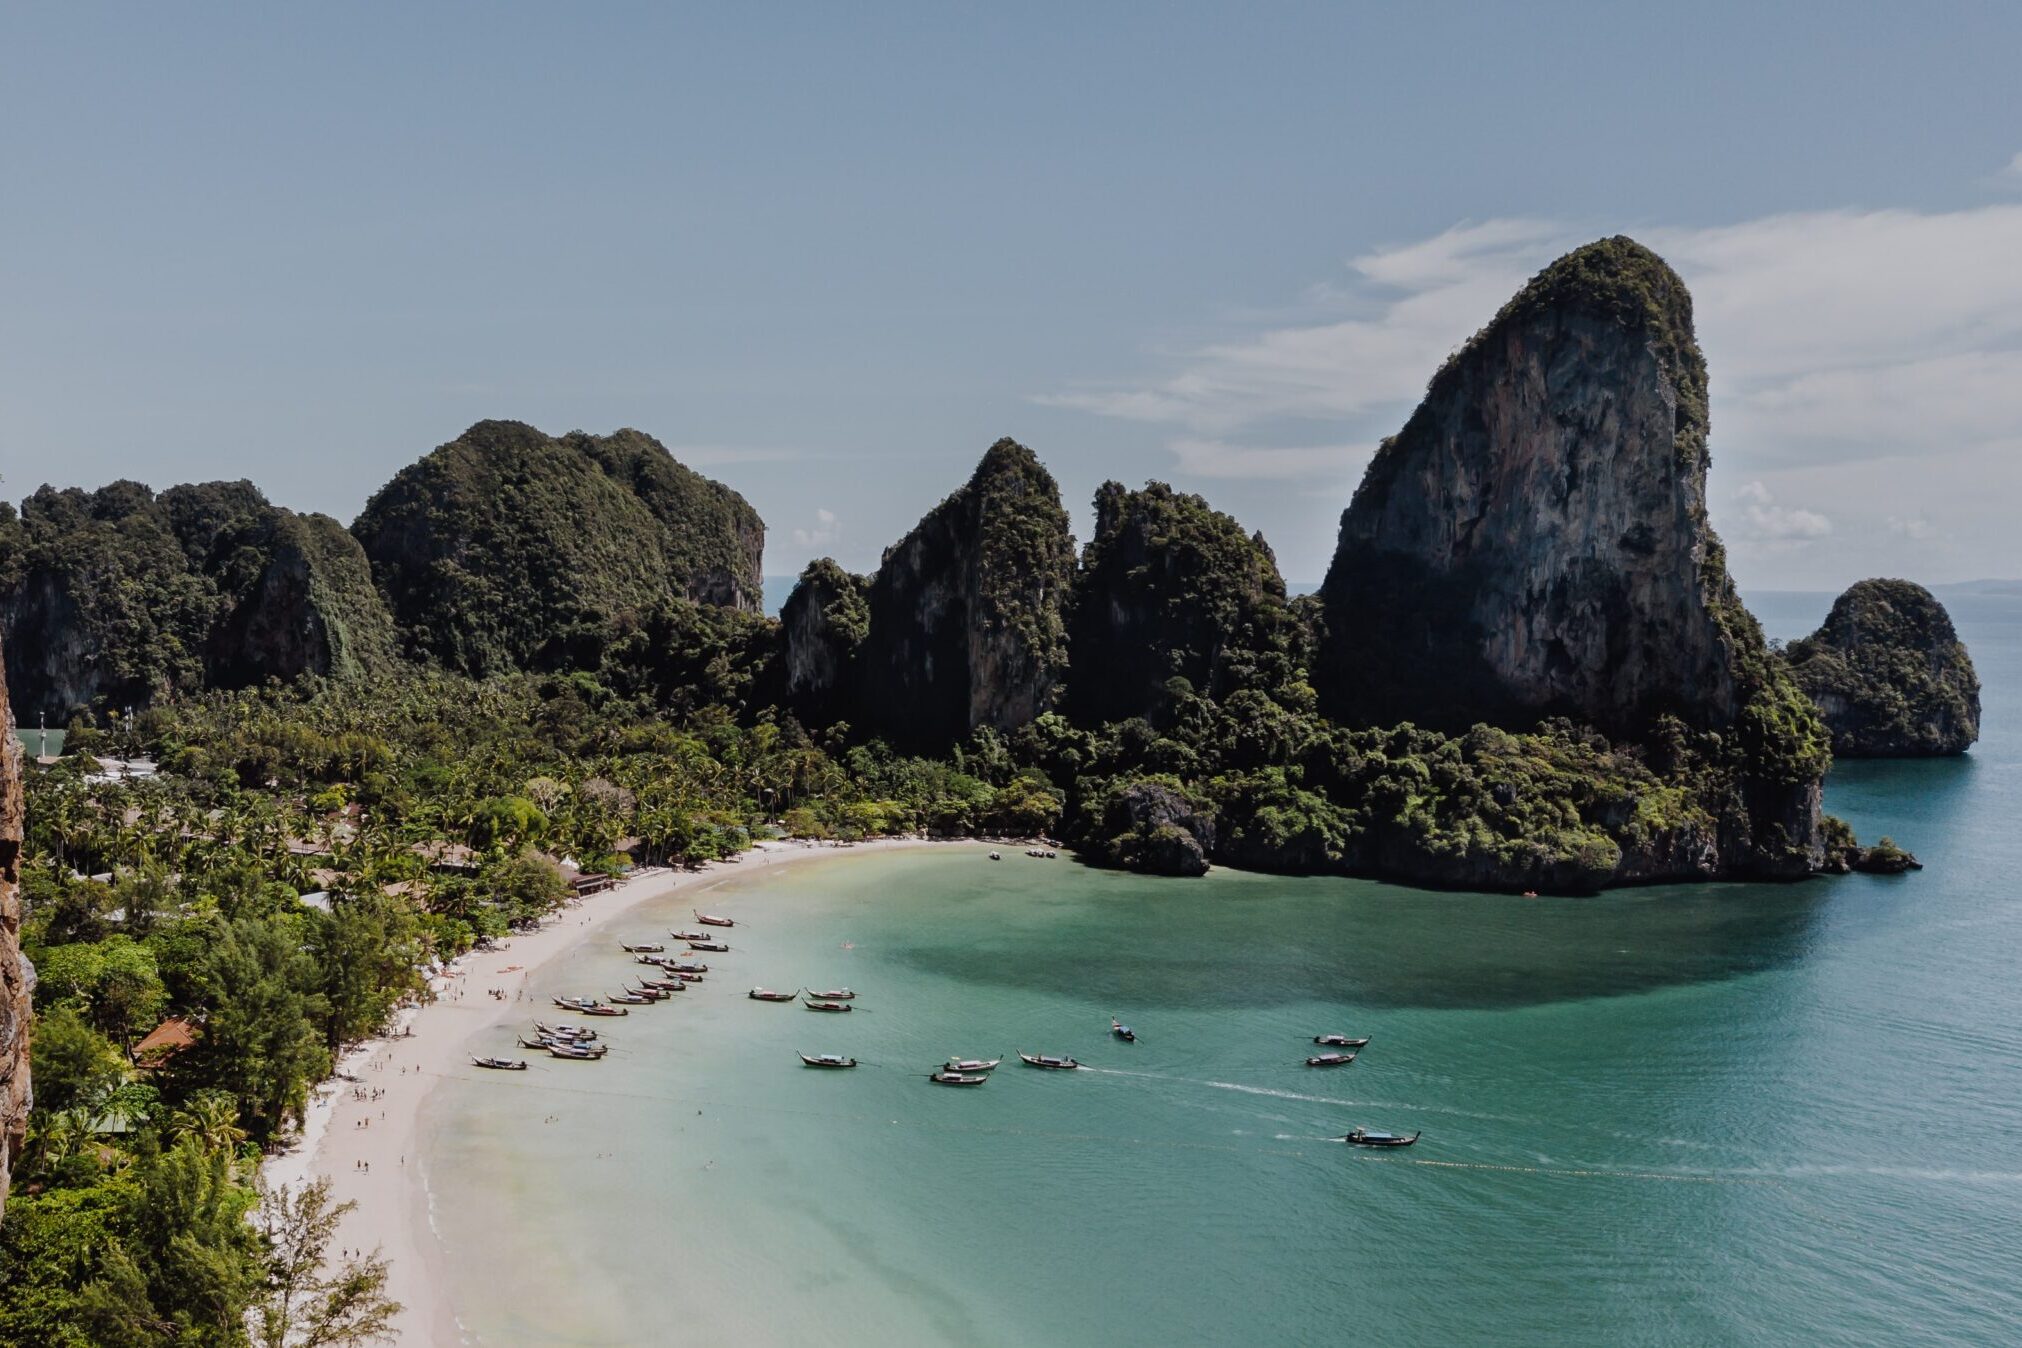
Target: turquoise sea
x,y
1688,1115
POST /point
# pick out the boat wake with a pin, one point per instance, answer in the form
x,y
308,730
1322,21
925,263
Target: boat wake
x,y
1277,1094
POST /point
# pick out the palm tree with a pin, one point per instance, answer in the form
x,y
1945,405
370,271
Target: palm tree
x,y
212,1118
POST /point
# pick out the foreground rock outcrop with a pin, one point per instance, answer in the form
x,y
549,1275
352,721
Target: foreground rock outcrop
x,y
510,549
1534,543
1155,827
1889,674
122,596
16,978
967,612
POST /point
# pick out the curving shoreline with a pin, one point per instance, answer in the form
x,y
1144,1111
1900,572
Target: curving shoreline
x,y
343,1135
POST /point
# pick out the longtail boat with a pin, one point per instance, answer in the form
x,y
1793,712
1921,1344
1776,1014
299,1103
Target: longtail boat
x,y
690,935
1122,1031
834,995
501,1064
972,1064
711,920
1362,1137
1330,1060
600,1009
955,1079
828,1060
713,946
574,1052
768,995
565,1031
1048,1061
829,1006
1340,1041
649,949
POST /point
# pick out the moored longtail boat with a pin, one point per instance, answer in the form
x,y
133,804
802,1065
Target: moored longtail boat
x,y
1362,1137
565,1030
827,1060
968,1065
601,1009
715,946
501,1064
955,1079
1122,1031
1330,1060
834,995
829,1006
690,935
768,995
649,949
1048,1061
711,920
576,1052
1340,1041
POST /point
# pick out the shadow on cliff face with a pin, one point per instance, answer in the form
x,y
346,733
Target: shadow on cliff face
x,y
1245,941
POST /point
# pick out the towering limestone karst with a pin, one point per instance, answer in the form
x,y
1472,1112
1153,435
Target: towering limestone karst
x,y
1534,543
967,625
510,549
121,596
16,980
1171,588
1889,674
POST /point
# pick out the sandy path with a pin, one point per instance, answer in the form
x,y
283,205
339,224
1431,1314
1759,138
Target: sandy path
x,y
368,1116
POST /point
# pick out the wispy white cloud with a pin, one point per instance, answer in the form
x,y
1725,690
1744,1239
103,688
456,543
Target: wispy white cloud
x,y
1910,526
827,531
1764,521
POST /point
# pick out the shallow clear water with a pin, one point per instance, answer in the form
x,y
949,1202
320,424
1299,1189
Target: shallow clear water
x,y
1718,1114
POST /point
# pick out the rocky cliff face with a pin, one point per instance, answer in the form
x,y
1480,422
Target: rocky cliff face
x,y
966,611
123,596
822,625
311,609
1889,674
1169,589
17,980
509,549
1534,542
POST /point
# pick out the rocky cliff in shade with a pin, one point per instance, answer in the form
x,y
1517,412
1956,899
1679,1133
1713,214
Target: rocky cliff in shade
x,y
122,596
1534,543
510,549
1889,674
822,626
966,611
16,979
1171,589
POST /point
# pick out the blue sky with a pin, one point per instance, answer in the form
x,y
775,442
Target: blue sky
x,y
829,253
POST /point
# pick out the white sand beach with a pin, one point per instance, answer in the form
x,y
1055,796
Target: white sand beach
x,y
362,1131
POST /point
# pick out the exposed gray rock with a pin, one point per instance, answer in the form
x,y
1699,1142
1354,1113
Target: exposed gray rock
x,y
967,624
